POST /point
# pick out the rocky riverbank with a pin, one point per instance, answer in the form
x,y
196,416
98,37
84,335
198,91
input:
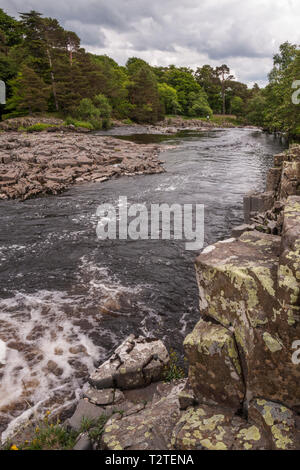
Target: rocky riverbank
x,y
242,390
48,163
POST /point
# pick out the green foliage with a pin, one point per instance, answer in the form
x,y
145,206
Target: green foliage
x,y
169,99
74,122
143,93
173,371
272,107
47,71
30,93
198,105
39,127
237,106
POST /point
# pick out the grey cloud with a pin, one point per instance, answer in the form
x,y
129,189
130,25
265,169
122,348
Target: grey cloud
x,y
207,30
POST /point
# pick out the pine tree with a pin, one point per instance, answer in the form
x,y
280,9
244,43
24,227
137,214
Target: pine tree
x,y
143,94
30,93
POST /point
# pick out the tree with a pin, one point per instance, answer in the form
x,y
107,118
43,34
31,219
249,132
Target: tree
x,y
143,92
30,93
223,73
208,79
169,99
237,106
198,105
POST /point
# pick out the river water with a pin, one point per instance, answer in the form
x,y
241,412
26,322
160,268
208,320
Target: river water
x,y
67,298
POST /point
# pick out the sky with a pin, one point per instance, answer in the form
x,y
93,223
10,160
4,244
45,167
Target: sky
x,y
190,33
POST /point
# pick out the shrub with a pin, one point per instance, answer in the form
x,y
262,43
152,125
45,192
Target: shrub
x,y
173,371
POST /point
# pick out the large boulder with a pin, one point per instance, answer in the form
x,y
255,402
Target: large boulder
x,y
214,367
241,289
137,362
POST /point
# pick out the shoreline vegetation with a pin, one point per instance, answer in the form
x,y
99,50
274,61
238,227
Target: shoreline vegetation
x,y
47,72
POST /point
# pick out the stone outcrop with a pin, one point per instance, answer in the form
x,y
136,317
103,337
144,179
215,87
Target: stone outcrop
x,y
249,294
48,163
264,210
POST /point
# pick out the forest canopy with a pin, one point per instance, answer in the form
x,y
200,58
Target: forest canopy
x,y
47,71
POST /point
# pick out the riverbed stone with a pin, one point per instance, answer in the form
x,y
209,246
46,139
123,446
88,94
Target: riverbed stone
x,y
137,362
215,371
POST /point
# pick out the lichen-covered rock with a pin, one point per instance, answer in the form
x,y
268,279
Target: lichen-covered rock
x,y
238,288
278,422
216,428
214,367
136,363
148,429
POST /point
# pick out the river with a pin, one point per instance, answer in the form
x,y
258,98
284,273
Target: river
x,y
56,276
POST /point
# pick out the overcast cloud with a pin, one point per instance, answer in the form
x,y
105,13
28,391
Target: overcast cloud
x,y
244,35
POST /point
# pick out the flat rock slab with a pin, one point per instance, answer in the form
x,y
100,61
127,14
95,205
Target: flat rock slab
x,y
28,162
136,363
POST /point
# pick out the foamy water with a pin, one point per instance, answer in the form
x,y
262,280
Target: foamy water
x,y
46,349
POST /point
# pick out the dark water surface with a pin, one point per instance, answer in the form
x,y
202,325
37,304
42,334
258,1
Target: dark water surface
x,y
67,299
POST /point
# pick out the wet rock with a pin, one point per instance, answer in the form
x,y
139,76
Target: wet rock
x,y
136,362
257,202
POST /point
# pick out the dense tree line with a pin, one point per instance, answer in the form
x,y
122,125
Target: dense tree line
x,y
47,71
274,107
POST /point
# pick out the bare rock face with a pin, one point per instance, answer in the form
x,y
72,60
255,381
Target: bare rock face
x,y
214,368
283,181
136,363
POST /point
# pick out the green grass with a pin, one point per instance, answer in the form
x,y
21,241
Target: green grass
x,y
173,371
47,435
76,123
39,127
